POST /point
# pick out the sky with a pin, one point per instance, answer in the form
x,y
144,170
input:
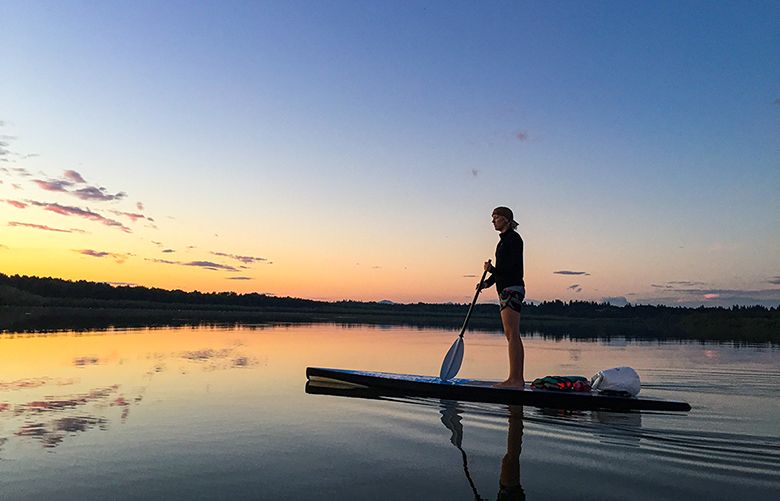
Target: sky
x,y
355,149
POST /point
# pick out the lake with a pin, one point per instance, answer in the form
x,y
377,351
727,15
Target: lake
x,y
222,412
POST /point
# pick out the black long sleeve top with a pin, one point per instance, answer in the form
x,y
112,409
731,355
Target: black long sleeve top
x,y
508,270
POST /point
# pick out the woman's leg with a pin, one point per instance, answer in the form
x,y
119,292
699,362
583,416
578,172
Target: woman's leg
x,y
511,322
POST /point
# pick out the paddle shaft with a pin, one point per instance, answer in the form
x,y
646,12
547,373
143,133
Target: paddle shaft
x,y
473,302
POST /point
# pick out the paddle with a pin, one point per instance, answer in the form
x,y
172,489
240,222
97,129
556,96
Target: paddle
x,y
454,357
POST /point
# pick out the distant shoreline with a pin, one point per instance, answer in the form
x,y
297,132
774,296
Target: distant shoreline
x,y
34,304
58,318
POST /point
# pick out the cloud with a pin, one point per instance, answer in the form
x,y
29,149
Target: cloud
x,y
66,210
44,227
774,280
73,176
243,259
139,206
130,215
168,251
522,136
567,272
777,101
469,276
93,253
16,203
161,261
678,285
717,297
574,286
97,193
119,258
615,300
475,172
240,278
56,185
209,265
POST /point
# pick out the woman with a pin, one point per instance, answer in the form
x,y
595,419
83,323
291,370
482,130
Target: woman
x,y
507,275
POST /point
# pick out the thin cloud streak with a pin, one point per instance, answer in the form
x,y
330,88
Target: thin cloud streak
x,y
130,215
568,272
119,258
16,203
161,261
208,265
242,259
56,185
66,210
43,227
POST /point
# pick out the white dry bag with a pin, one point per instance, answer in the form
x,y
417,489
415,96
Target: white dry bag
x,y
620,380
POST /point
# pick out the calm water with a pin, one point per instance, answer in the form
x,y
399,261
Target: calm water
x,y
217,413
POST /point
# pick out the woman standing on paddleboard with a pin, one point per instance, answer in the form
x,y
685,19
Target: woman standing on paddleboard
x,y
507,275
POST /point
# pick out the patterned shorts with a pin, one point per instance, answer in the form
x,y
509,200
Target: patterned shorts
x,y
512,297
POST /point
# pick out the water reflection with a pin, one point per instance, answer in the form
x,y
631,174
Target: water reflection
x,y
47,409
51,419
52,434
510,487
509,482
451,418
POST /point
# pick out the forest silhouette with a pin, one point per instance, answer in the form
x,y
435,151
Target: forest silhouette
x,y
29,303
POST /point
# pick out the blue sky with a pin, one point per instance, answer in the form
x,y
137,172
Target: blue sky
x,y
636,141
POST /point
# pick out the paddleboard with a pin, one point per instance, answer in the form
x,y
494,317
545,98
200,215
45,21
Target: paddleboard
x,y
342,381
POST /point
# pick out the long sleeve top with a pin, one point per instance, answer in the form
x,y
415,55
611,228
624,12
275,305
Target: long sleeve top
x,y
508,269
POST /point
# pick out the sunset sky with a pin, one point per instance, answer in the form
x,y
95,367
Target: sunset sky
x,y
355,149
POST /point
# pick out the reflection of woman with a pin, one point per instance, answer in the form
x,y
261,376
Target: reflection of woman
x,y
509,482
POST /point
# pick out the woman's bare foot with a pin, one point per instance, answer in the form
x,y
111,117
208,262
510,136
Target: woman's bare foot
x,y
511,384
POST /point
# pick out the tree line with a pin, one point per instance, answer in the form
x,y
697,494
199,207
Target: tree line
x,y
28,302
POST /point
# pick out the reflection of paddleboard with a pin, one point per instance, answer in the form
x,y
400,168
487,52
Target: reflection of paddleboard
x,y
481,391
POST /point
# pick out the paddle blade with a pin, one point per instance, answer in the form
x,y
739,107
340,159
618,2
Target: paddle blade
x,y
452,360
